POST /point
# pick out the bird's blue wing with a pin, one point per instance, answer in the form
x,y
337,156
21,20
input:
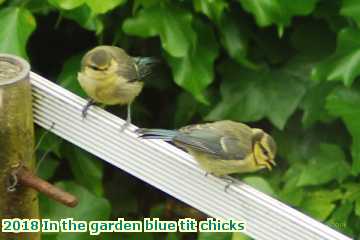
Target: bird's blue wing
x,y
220,144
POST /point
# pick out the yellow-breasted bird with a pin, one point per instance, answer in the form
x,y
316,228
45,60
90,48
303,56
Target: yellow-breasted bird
x,y
110,76
222,147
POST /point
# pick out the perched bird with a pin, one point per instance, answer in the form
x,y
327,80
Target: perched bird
x,y
110,76
222,147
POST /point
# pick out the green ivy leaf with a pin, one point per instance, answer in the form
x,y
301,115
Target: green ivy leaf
x,y
171,23
67,4
297,148
331,160
291,193
16,26
191,54
233,31
90,208
320,204
352,191
344,64
85,18
235,38
268,12
328,195
101,6
357,207
314,104
48,167
194,72
260,184
213,9
68,75
345,103
351,8
186,106
144,3
86,168
340,217
39,7
252,95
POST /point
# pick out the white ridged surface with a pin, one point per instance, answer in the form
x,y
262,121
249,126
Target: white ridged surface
x,y
168,168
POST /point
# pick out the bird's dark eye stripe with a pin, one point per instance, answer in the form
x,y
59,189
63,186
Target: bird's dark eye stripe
x,y
266,152
95,67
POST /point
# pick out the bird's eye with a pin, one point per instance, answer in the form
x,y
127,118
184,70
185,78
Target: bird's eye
x,y
96,68
264,151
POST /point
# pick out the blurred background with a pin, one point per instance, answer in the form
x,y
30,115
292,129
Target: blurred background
x,y
289,67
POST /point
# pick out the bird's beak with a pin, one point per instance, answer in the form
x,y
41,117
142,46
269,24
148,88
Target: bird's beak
x,y
272,162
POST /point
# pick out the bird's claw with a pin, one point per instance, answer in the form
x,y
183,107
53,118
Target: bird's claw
x,y
229,181
84,113
86,108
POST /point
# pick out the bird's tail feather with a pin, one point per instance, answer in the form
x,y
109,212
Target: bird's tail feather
x,y
166,135
146,60
179,138
145,65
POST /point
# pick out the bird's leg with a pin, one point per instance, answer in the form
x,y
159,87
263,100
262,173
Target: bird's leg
x,y
229,180
128,118
86,108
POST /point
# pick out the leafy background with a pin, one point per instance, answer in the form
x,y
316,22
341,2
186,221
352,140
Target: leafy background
x,y
290,67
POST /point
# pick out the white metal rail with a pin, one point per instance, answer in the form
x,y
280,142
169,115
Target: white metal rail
x,y
168,168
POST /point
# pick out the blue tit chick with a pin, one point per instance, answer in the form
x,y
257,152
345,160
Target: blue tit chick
x,y
110,76
223,147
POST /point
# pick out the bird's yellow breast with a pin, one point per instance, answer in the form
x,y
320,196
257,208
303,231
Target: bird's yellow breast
x,y
110,90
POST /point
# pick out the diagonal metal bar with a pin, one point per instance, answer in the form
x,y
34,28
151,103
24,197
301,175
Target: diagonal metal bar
x,y
168,168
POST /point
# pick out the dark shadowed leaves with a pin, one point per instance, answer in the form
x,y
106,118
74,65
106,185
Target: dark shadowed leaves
x,y
171,23
344,64
90,208
213,9
87,169
345,103
68,75
268,12
252,95
195,71
331,160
